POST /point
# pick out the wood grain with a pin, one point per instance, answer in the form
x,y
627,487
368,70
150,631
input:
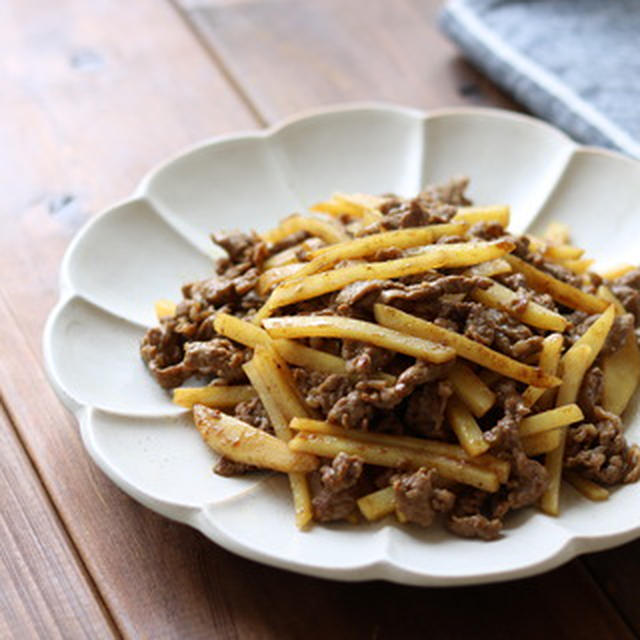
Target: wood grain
x,y
98,95
288,55
616,572
44,592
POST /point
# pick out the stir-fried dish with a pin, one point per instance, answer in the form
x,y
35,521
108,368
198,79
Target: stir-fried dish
x,y
408,357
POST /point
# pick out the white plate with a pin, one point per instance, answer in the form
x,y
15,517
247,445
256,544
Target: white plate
x,y
147,246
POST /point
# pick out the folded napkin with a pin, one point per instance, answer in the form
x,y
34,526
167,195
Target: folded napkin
x,y
575,63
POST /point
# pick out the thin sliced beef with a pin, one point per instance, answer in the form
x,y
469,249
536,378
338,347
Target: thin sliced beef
x,y
627,290
590,394
242,247
527,482
228,468
343,473
162,350
425,410
364,358
253,412
496,329
219,358
474,526
352,412
504,435
335,497
471,516
418,498
432,290
356,300
599,450
623,327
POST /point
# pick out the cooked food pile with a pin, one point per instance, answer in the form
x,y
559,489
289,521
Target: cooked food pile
x,y
409,357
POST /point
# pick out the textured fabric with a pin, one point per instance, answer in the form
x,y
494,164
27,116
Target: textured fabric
x,y
575,63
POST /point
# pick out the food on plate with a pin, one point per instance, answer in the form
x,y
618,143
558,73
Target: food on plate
x,y
411,358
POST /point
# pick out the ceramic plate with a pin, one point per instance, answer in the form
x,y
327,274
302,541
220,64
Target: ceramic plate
x,y
147,246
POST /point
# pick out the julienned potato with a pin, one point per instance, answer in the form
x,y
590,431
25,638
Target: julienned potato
x,y
350,240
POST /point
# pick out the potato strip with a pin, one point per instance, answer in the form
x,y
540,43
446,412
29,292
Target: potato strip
x,y
534,314
549,360
314,359
378,504
540,443
617,272
561,291
465,427
323,229
621,371
575,364
243,443
563,252
551,419
395,457
489,269
472,215
587,488
436,447
239,330
351,329
218,397
475,394
606,294
356,205
323,258
165,309
272,277
437,256
465,347
557,233
281,403
280,383
578,266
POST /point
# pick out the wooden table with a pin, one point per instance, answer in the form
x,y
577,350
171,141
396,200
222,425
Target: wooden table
x,y
93,95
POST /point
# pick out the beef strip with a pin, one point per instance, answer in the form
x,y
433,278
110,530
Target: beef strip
x,y
495,328
425,410
218,357
363,358
253,412
599,450
356,300
470,517
474,526
241,248
504,435
229,468
335,499
623,326
627,290
487,230
431,290
418,498
343,473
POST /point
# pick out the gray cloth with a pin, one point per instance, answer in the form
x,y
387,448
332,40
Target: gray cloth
x,y
575,63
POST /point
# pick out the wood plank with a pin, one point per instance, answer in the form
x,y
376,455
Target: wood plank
x,y
96,96
616,571
45,592
292,55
